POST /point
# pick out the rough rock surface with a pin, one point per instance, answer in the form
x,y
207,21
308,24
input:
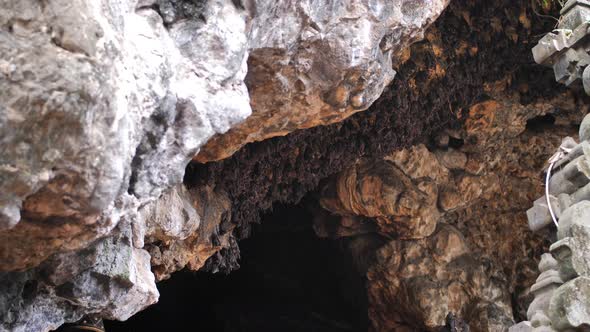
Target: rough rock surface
x,y
474,184
562,290
159,78
103,104
314,64
427,279
399,192
109,278
436,85
131,127
188,242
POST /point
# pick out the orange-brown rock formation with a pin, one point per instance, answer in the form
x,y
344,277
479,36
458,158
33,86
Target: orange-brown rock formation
x,y
473,185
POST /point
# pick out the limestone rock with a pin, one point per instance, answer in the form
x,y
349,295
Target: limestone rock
x,y
561,290
190,246
521,327
114,278
314,65
584,132
400,193
142,85
103,105
428,279
110,279
570,306
484,184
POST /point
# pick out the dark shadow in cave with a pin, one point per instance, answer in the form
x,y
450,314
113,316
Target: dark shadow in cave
x,y
541,123
289,280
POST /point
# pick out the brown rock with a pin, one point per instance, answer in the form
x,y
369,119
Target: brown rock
x,y
482,187
337,62
171,252
465,190
425,280
451,158
399,192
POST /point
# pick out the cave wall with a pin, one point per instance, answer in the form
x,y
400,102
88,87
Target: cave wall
x,y
104,103
488,114
58,258
474,48
446,224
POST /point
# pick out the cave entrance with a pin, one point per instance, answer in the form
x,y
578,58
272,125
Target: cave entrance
x,y
289,280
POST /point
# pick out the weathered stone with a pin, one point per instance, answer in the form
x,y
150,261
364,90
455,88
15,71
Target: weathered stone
x,y
570,306
452,159
466,190
172,216
117,79
136,64
584,132
103,104
484,187
110,278
425,280
560,306
572,248
314,65
574,13
543,289
567,187
565,48
173,251
161,142
521,327
400,193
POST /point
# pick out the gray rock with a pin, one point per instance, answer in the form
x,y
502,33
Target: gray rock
x,y
585,129
568,186
111,279
315,64
570,306
81,129
562,291
521,327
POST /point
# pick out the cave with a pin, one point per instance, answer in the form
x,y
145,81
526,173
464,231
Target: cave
x,y
229,206
288,280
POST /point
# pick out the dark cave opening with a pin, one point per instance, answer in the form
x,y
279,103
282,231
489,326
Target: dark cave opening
x,y
289,280
541,123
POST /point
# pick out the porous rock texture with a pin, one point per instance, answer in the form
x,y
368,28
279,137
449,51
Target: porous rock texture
x,y
103,103
399,193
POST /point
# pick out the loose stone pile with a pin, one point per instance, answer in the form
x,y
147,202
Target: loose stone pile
x,y
565,49
562,291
